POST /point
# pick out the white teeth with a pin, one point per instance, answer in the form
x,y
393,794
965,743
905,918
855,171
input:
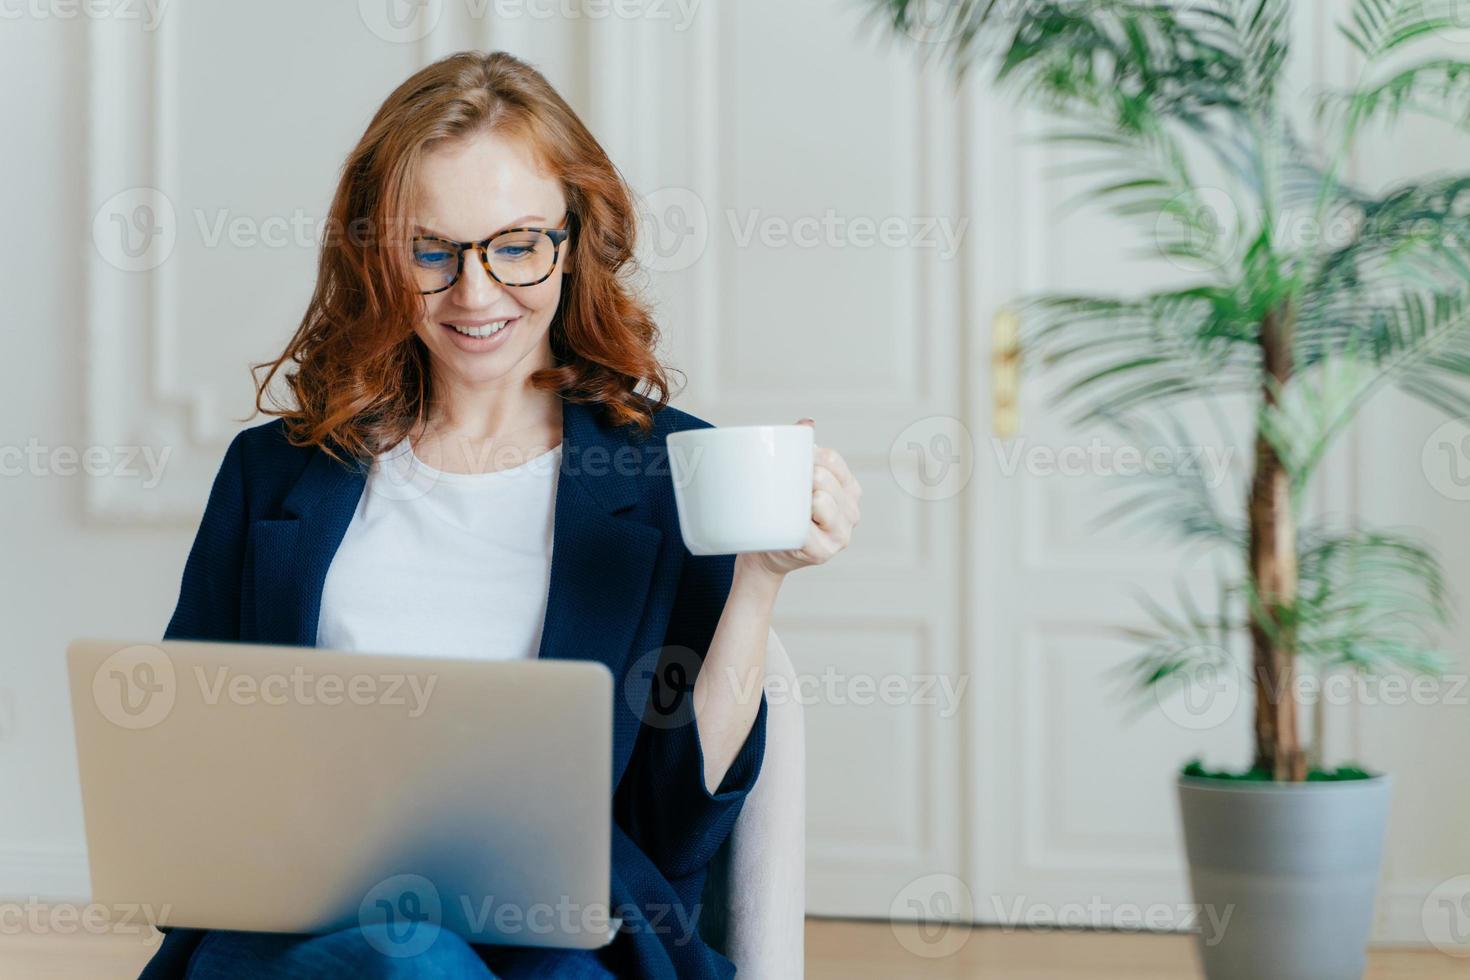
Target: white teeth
x,y
487,330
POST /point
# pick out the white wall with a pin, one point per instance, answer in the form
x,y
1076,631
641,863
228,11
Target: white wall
x,y
763,111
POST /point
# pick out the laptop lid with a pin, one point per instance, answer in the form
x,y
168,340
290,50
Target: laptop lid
x,y
291,789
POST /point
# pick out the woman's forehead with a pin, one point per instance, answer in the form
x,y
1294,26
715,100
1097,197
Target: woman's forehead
x,y
473,187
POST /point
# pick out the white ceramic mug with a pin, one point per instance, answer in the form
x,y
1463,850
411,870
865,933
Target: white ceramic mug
x,y
743,487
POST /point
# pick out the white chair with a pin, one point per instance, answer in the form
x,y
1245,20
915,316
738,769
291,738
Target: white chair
x,y
755,897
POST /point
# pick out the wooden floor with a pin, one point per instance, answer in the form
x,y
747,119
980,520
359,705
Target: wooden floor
x,y
845,950
836,950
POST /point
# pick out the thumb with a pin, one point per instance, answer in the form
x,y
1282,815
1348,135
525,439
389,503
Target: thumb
x,y
807,421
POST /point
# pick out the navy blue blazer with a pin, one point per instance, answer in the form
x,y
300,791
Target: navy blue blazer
x,y
622,584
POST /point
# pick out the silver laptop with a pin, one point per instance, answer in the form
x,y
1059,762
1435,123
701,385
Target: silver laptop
x,y
287,789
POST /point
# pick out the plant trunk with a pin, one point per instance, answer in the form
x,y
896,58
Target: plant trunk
x,y
1273,553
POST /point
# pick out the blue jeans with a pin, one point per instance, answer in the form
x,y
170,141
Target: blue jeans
x,y
370,954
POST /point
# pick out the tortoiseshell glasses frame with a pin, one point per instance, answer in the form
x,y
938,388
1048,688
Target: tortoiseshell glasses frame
x,y
557,236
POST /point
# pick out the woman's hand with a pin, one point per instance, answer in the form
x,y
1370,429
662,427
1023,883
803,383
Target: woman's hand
x,y
835,496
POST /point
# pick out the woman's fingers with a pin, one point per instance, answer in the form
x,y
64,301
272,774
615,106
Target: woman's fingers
x,y
832,460
824,478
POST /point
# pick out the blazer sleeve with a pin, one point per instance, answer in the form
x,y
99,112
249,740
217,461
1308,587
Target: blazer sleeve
x,y
209,594
662,800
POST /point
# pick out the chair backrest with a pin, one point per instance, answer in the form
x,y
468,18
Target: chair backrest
x,y
755,897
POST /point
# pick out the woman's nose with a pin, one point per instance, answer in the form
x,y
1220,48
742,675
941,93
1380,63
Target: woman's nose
x,y
476,287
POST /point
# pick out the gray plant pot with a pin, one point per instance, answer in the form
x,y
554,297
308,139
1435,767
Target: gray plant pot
x,y
1284,874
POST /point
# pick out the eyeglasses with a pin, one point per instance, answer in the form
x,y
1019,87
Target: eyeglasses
x,y
512,257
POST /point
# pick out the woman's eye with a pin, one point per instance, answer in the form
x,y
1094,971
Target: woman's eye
x,y
513,251
431,257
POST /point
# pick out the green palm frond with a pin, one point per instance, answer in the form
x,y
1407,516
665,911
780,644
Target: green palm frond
x,y
954,29
1341,290
1263,32
1348,353
1177,646
1129,63
1305,420
1378,28
1438,88
1417,232
1181,497
1369,600
1419,342
1121,354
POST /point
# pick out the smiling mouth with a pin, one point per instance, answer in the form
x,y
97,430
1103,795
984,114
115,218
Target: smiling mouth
x,y
482,331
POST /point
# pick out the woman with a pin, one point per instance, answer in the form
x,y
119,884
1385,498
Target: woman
x,y
471,328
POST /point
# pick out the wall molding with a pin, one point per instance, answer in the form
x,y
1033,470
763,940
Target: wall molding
x,y
49,872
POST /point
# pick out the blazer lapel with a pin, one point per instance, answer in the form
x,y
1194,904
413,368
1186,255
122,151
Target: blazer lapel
x,y
601,565
292,553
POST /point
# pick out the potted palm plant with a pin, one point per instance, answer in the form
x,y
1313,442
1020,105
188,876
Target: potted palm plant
x,y
1307,295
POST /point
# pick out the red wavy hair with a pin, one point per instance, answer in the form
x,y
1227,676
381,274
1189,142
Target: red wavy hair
x,y
361,381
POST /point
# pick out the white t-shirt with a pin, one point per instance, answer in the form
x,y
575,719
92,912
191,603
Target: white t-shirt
x,y
444,564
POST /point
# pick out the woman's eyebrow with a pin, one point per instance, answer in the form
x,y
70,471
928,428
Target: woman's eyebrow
x,y
516,223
